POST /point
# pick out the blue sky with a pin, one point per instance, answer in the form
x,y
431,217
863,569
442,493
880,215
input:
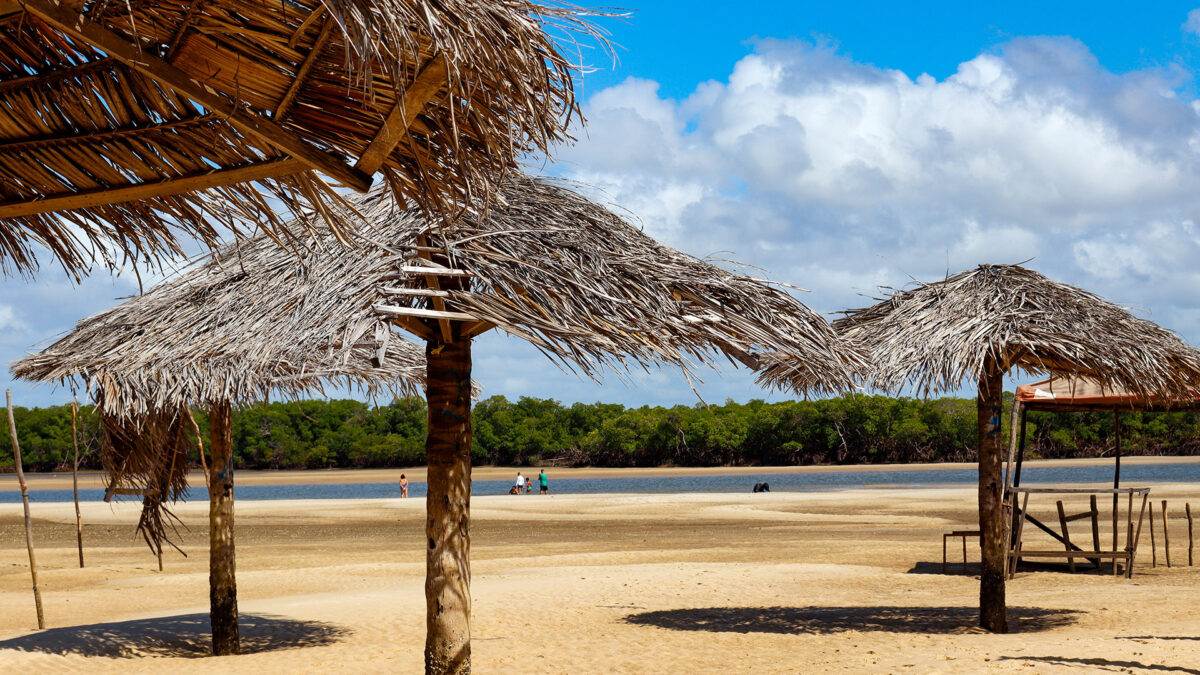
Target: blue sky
x,y
680,48
846,146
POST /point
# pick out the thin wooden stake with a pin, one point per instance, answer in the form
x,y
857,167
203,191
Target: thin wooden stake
x,y
1187,508
75,479
12,430
1166,535
1153,546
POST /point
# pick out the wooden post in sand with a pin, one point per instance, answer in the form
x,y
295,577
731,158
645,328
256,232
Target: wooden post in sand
x,y
992,615
448,502
12,430
222,582
1153,546
1187,508
75,479
1166,535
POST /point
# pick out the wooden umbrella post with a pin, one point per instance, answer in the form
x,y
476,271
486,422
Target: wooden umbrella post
x,y
1153,543
12,431
222,581
991,515
448,501
75,479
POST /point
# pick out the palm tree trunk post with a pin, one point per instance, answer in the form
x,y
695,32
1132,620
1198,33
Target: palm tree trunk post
x,y
448,502
991,514
222,584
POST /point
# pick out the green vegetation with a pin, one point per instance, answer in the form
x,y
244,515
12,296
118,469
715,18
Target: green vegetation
x,y
846,430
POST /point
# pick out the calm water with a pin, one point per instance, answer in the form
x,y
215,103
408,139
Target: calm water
x,y
1131,475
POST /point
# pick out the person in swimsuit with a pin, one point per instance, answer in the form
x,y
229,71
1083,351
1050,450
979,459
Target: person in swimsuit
x,y
403,486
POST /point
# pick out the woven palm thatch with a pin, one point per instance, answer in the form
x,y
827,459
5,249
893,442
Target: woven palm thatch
x,y
936,336
123,124
217,333
544,264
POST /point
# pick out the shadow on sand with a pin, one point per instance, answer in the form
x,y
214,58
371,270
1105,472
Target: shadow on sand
x,y
1105,664
955,568
188,635
825,620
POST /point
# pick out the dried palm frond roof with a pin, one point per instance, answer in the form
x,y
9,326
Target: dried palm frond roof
x,y
217,333
542,263
935,337
121,120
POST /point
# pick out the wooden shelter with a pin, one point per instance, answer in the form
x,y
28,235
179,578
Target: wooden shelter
x,y
1075,394
980,324
214,336
546,265
123,124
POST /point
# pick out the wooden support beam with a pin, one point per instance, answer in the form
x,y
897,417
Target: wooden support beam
x,y
431,281
471,330
33,142
101,196
414,326
76,26
289,98
8,7
416,96
41,79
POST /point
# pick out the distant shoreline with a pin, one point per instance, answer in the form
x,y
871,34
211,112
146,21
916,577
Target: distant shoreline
x,y
94,480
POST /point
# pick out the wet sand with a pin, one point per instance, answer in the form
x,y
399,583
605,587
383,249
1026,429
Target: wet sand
x,y
92,480
846,581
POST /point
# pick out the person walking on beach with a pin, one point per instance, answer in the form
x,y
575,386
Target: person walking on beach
x,y
544,483
520,483
403,487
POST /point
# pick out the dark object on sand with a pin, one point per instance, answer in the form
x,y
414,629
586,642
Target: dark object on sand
x,y
762,487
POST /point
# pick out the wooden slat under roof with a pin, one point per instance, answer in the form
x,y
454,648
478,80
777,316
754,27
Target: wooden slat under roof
x,y
121,120
1068,394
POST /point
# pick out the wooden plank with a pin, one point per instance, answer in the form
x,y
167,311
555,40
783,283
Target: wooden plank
x,y
1082,491
439,271
1153,544
8,7
289,97
65,201
432,282
1095,528
392,310
113,44
414,99
1040,553
419,292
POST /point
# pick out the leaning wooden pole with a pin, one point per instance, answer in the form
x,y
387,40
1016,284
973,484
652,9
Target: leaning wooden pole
x,y
448,502
12,431
1187,509
992,615
75,479
222,582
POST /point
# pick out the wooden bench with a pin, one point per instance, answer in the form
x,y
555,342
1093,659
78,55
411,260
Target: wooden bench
x,y
958,533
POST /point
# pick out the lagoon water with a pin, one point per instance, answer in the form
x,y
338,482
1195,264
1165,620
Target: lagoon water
x,y
1132,474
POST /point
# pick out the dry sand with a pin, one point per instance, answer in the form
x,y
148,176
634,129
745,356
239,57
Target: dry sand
x,y
843,581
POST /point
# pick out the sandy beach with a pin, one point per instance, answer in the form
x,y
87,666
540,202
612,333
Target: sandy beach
x,y
846,581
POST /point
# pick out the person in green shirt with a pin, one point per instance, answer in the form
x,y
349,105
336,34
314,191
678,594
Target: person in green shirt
x,y
544,484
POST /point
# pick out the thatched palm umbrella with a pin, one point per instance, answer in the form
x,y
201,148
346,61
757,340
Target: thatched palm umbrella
x,y
214,336
980,324
574,279
123,124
